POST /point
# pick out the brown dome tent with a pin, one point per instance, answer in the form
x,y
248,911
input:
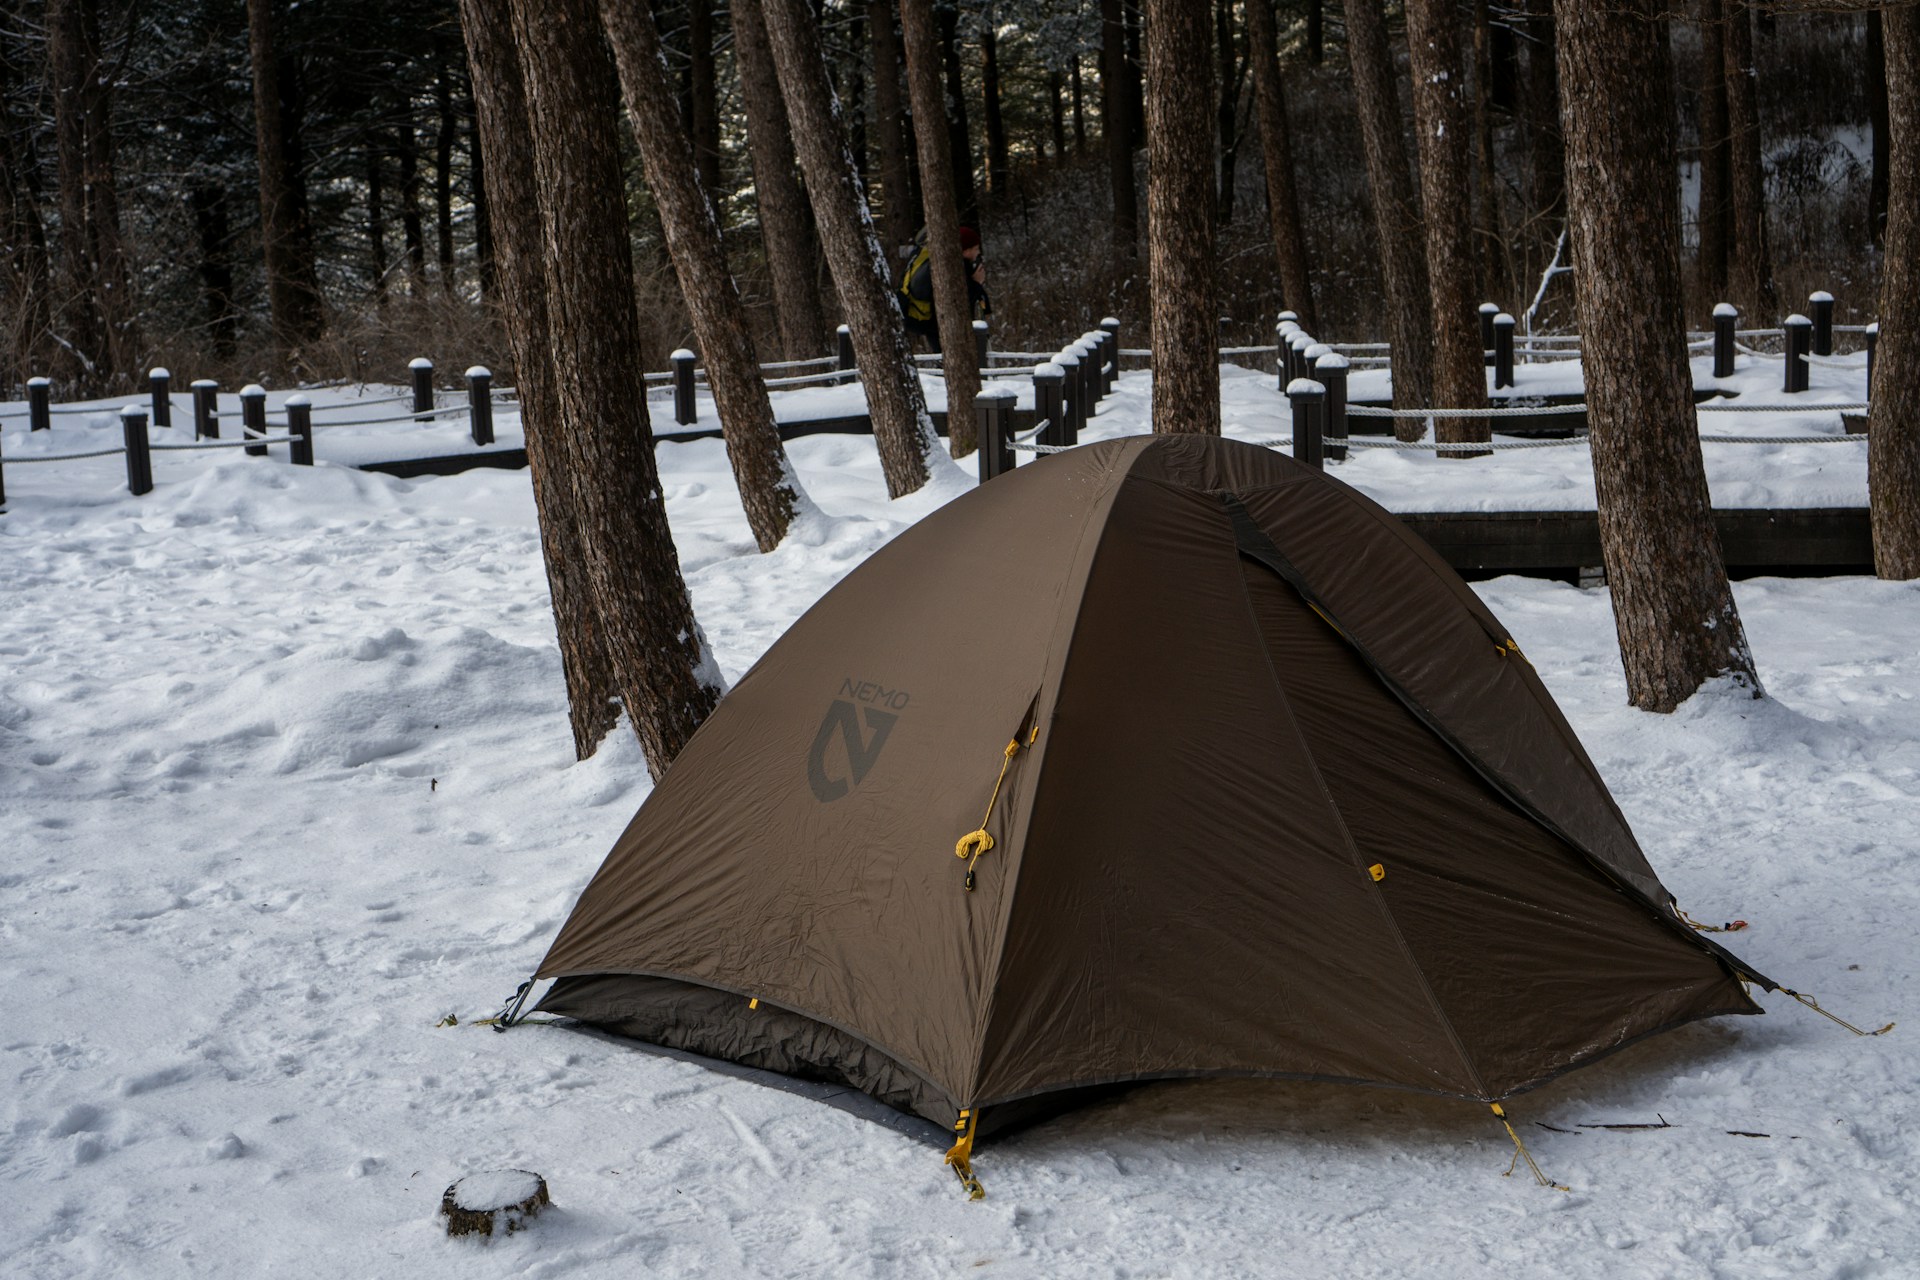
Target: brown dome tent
x,y
1267,791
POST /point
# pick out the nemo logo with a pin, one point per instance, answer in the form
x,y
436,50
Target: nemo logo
x,y
843,721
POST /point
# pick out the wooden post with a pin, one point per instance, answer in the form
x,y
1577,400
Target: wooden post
x,y
1503,350
1330,371
1110,372
1725,316
843,351
1799,341
980,331
1309,403
160,385
1283,338
480,403
1089,377
253,417
1049,402
300,427
684,411
133,423
993,420
1488,310
206,409
1071,410
39,412
1822,303
3,490
422,369
1873,341
1299,342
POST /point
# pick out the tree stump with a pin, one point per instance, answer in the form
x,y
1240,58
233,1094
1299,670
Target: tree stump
x,y
499,1201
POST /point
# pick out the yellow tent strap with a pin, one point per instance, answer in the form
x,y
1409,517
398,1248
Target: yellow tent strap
x,y
1814,1005
971,845
1520,1153
960,1156
1699,926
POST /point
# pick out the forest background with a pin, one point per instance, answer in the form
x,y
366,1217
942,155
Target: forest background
x,y
132,233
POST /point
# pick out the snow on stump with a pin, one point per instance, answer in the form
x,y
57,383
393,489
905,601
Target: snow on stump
x,y
497,1202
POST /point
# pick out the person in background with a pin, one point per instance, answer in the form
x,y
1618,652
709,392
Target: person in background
x,y
916,288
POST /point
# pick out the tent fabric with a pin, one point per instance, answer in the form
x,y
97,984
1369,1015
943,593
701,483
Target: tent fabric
x,y
1293,805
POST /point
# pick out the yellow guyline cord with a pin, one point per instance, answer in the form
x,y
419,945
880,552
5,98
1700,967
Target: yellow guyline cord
x,y
1520,1153
971,845
1814,1005
960,1156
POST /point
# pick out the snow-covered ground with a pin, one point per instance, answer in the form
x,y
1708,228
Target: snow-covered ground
x,y
285,779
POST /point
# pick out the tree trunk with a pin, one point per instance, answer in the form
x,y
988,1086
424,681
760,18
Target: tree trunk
x,y
1115,124
768,489
208,201
950,305
103,334
411,232
902,429
785,228
1057,114
1396,212
500,103
1459,364
1674,612
1714,174
899,214
661,665
959,135
997,162
705,85
1751,259
1316,32
477,194
1497,276
376,220
1226,137
1180,248
1546,165
1276,146
443,173
24,300
1893,425
1877,112
286,238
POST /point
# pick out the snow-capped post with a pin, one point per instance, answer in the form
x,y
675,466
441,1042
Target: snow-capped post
x,y
300,427
1873,341
206,409
1503,350
133,425
39,415
480,403
683,406
160,384
980,331
1799,331
422,370
253,417
843,350
1110,370
1068,362
1822,303
993,420
1330,371
1725,316
1049,401
1488,310
1089,377
1309,402
1299,342
1283,338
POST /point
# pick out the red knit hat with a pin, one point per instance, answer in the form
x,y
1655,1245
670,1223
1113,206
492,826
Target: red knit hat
x,y
969,239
